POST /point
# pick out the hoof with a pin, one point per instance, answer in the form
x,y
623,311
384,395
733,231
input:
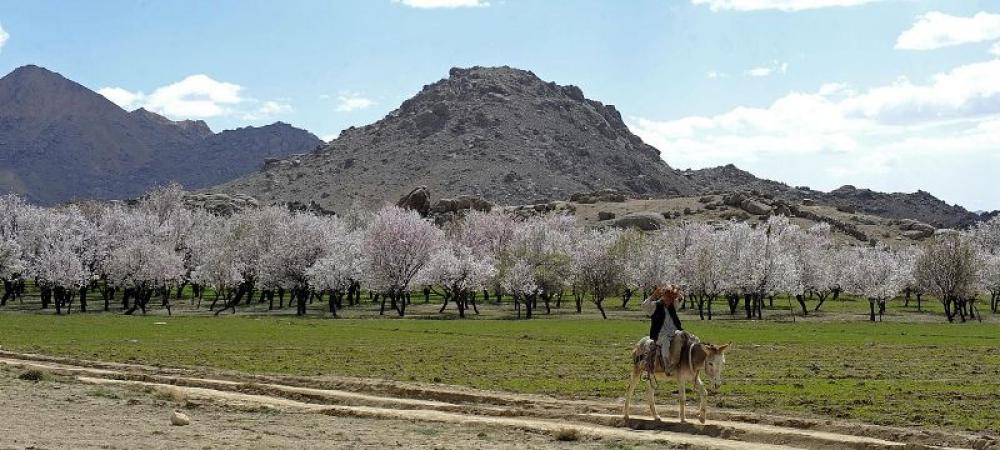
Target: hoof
x,y
657,418
625,418
701,419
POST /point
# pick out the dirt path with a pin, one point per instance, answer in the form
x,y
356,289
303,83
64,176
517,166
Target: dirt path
x,y
351,400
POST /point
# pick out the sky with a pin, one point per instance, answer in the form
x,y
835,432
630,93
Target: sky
x,y
893,95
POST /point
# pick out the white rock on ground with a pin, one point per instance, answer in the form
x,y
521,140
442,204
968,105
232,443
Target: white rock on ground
x,y
179,419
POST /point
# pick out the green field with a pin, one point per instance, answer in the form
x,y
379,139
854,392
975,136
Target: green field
x,y
898,373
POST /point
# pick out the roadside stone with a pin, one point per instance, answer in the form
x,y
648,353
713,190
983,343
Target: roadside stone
x,y
179,419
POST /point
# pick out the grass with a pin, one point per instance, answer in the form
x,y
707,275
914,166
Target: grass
x,y
893,373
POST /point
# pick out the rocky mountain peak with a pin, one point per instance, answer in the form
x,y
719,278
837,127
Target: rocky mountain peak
x,y
498,132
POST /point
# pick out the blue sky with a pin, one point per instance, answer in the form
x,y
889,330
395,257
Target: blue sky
x,y
895,95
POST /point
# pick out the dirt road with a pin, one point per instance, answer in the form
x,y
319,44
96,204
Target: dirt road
x,y
104,405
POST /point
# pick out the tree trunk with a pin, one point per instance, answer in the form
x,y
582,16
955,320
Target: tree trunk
x,y
333,303
802,302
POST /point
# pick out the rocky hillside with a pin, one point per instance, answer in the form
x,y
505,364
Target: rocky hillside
x,y
61,141
920,206
497,132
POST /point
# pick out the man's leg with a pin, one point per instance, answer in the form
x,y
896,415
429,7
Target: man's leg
x,y
673,356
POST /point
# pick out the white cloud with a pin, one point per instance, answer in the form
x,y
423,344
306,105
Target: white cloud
x,y
995,49
197,97
428,4
352,102
936,29
716,74
972,90
763,71
329,137
272,107
122,97
852,133
779,5
3,37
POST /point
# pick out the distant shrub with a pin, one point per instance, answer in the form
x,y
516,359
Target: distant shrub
x,y
568,435
34,375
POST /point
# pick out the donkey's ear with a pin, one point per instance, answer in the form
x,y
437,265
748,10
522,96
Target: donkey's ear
x,y
723,348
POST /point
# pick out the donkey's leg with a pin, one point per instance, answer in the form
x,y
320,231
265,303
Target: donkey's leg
x,y
650,399
682,395
702,393
633,380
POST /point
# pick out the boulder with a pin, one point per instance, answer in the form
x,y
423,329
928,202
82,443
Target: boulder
x,y
179,419
755,207
917,234
603,195
460,204
418,200
605,215
646,221
808,202
737,215
734,199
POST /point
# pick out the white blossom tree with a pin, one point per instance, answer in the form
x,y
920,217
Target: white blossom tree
x,y
987,237
544,245
460,272
599,258
342,265
12,264
813,259
398,245
489,235
878,275
949,267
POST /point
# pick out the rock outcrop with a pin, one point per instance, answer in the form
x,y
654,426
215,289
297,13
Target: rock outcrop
x,y
419,200
645,221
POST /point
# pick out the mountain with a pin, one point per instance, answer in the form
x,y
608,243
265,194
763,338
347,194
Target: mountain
x,y
919,205
61,141
498,132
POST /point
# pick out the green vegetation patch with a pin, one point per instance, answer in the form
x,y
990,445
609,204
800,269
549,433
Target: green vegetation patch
x,y
885,373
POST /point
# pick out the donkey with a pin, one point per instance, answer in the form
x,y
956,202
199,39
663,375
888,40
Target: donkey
x,y
695,358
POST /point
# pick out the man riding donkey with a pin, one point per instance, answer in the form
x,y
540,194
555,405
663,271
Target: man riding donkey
x,y
665,330
672,353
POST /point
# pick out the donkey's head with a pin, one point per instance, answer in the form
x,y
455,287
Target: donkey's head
x,y
715,361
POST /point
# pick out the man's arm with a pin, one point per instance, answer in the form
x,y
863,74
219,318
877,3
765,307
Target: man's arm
x,y
648,306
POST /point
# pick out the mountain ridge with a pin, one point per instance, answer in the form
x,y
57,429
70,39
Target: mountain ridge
x,y
919,205
61,141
